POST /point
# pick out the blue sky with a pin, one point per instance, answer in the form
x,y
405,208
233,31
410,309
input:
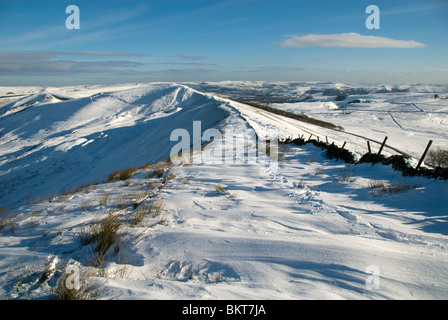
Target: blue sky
x,y
143,41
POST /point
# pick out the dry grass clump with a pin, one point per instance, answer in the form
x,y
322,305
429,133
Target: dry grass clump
x,y
104,199
156,173
155,209
169,176
106,234
86,287
4,219
67,282
7,220
219,188
122,174
160,168
301,184
85,188
380,188
85,206
139,216
146,166
124,201
347,174
102,235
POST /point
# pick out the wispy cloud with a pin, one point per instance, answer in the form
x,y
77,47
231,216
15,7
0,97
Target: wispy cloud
x,y
225,23
415,8
50,63
74,64
101,54
176,71
317,59
190,57
347,40
188,63
271,69
110,25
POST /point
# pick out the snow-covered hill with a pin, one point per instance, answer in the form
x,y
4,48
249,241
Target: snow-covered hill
x,y
48,146
304,228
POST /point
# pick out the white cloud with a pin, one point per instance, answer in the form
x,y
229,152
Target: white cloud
x,y
347,40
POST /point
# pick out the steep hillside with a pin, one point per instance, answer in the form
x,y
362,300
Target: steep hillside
x,y
49,146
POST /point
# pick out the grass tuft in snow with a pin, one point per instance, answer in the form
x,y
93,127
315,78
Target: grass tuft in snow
x,y
122,174
155,173
124,201
86,206
170,176
104,199
347,174
102,235
380,188
154,209
89,288
7,221
107,234
146,166
301,184
160,168
318,172
219,188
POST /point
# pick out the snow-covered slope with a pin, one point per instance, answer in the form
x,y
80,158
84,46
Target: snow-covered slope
x,y
306,228
47,147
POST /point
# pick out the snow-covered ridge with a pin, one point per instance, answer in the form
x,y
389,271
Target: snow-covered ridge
x,y
57,138
48,144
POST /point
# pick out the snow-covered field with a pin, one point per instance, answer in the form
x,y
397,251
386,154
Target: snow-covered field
x,y
409,115
304,228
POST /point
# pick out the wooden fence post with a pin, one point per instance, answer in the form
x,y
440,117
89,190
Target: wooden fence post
x,y
424,155
381,150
